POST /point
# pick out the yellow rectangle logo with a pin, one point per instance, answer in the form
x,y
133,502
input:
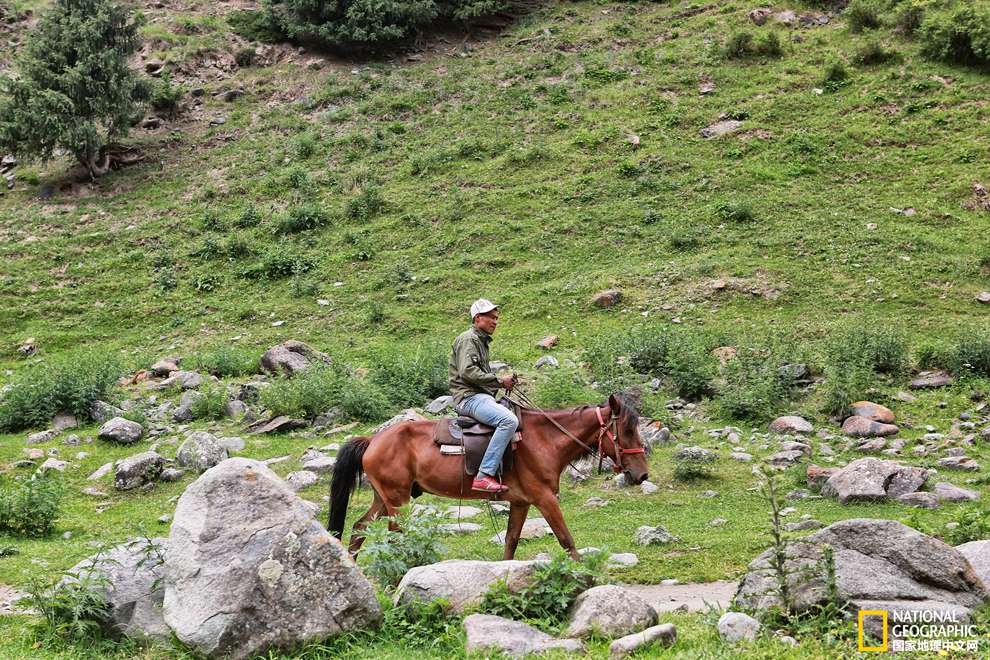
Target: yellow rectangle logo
x,y
879,613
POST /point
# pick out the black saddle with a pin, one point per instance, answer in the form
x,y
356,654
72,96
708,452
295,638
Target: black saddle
x,y
474,437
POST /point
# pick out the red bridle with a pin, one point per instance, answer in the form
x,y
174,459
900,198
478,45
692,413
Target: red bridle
x,y
613,435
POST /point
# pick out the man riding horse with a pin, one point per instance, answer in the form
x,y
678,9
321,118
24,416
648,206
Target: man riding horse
x,y
473,385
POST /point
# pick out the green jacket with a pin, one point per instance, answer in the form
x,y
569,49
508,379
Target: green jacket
x,y
468,370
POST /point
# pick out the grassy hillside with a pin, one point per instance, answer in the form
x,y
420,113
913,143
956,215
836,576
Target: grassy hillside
x,y
363,205
504,169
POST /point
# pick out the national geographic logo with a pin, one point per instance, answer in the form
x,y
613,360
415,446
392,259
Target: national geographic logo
x,y
918,630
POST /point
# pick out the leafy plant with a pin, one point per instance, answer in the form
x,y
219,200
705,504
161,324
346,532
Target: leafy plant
x,y
80,107
549,594
303,217
691,467
164,96
756,383
70,383
210,403
873,53
73,609
410,376
562,388
862,15
30,507
957,32
394,545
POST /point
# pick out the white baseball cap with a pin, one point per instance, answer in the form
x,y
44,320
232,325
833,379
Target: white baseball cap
x,y
482,306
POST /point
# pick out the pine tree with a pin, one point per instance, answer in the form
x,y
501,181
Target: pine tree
x,y
73,89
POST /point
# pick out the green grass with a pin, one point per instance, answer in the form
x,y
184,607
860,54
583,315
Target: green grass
x,y
508,174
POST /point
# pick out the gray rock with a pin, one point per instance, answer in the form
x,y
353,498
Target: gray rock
x,y
235,409
547,361
53,464
873,411
696,453
533,528
487,633
184,411
101,472
459,528
172,474
919,500
622,560
664,634
930,380
129,578
462,512
652,435
609,610
648,487
791,445
250,393
138,470
64,422
439,404
461,582
292,357
595,502
101,411
232,444
41,437
875,560
320,465
121,430
741,456
658,535
977,553
872,479
947,492
408,415
249,569
200,451
785,459
736,627
72,440
791,424
964,463
721,128
803,525
186,380
164,367
861,427
299,480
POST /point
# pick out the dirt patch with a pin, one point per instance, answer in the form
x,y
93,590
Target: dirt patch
x,y
758,286
696,597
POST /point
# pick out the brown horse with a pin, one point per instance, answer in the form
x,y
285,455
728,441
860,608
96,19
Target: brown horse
x,y
404,457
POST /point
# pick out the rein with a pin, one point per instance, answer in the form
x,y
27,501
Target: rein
x,y
606,429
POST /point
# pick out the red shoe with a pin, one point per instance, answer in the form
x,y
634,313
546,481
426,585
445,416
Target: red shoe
x,y
486,484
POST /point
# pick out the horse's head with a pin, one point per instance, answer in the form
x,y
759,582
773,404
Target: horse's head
x,y
628,445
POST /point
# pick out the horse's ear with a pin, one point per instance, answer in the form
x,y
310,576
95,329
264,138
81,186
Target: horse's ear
x,y
614,404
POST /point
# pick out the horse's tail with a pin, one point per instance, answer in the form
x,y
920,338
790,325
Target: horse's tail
x,y
346,477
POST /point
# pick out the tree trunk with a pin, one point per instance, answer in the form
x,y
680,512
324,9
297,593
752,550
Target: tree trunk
x,y
96,163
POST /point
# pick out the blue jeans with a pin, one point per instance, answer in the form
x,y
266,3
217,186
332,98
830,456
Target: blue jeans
x,y
484,409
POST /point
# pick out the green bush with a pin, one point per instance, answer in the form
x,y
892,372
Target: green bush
x,y
862,15
30,507
307,394
388,554
970,355
974,525
164,96
70,383
957,32
74,89
608,365
873,53
224,361
409,377
366,204
244,57
255,26
278,261
690,467
854,357
836,75
303,217
549,594
211,402
563,388
742,45
353,24
249,217
76,609
737,212
689,367
756,386
364,401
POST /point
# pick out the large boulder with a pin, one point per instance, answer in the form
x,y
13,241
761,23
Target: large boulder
x,y
200,451
487,633
186,380
872,479
184,411
250,569
977,553
738,627
873,411
121,430
611,611
461,582
291,357
137,470
129,577
879,564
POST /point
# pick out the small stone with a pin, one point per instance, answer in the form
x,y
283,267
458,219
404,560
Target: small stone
x,y
648,487
100,472
595,502
121,430
803,525
717,522
791,424
983,297
547,361
736,626
931,379
919,500
171,474
721,128
959,463
320,465
947,492
861,427
459,528
741,456
658,535
607,298
547,342
440,404
299,480
53,464
873,411
165,519
41,437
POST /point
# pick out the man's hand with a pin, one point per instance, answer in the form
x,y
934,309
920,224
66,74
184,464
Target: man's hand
x,y
508,381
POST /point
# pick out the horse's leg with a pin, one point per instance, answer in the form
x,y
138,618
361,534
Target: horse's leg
x,y
550,508
517,517
357,535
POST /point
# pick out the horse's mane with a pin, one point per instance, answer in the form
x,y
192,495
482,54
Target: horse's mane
x,y
627,409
